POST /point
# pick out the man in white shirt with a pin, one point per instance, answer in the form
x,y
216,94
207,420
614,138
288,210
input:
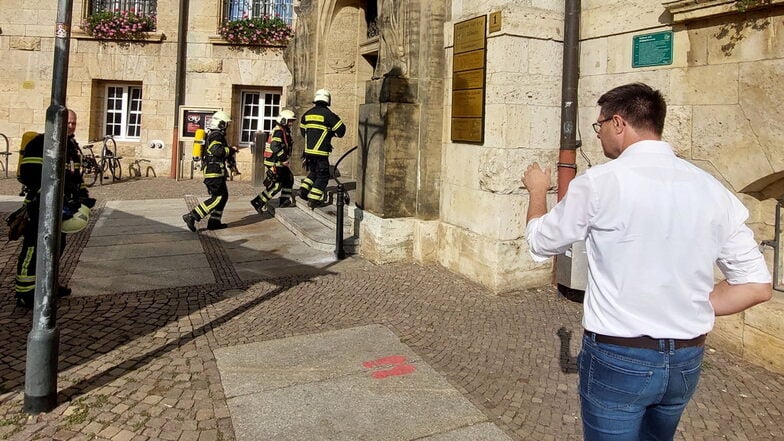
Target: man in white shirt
x,y
654,226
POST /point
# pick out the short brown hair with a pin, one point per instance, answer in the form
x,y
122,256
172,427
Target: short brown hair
x,y
638,103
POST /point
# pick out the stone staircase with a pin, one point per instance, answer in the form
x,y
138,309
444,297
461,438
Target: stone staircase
x,y
317,227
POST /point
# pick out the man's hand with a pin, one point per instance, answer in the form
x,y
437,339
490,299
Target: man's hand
x,y
535,179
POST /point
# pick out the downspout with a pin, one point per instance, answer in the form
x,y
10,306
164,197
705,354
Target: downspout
x,y
179,87
567,167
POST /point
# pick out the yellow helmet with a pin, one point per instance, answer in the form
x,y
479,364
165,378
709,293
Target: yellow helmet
x,y
77,222
219,120
286,116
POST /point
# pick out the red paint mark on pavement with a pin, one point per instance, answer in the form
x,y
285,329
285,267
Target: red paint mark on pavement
x,y
403,369
398,363
385,361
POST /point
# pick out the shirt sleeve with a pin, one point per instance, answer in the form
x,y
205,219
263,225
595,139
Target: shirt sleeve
x,y
740,259
565,224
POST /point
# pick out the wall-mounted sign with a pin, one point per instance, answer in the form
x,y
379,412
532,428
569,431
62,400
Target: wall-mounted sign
x,y
652,49
194,118
468,80
495,21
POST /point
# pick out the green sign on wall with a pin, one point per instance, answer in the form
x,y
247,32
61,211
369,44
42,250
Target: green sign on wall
x,y
652,49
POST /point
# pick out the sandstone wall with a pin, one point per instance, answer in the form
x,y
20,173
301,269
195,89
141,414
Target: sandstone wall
x,y
723,90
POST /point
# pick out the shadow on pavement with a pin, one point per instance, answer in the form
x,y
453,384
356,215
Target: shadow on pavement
x,y
92,326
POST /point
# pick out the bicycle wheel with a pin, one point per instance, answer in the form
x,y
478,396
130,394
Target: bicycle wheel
x,y
89,172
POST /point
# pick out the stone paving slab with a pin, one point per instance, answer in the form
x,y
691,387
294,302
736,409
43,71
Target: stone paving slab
x,y
353,384
123,252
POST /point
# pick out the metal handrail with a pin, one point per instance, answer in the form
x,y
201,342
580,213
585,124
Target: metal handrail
x,y
340,253
6,154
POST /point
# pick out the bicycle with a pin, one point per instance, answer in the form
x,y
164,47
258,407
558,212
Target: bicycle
x,y
109,159
94,167
91,170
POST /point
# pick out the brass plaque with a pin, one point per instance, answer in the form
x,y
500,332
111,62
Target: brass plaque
x,y
469,79
469,60
495,21
468,103
468,129
470,34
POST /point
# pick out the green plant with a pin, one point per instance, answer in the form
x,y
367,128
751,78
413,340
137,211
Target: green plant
x,y
264,30
743,5
118,25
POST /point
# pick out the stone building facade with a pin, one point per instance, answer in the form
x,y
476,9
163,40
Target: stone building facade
x,y
459,204
216,75
389,63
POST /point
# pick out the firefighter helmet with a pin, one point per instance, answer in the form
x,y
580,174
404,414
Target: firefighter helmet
x,y
77,222
219,120
286,116
323,96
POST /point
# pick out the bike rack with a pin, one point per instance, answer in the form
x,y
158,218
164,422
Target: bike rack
x,y
5,154
343,199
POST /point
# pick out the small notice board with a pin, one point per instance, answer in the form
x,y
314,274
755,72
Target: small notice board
x,y
652,49
193,118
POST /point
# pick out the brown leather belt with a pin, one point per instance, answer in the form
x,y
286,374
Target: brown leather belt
x,y
645,342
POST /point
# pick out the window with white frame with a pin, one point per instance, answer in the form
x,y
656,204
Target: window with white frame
x,y
140,7
239,9
123,111
259,111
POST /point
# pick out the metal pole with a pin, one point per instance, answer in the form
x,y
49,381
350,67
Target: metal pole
x,y
340,253
44,338
567,168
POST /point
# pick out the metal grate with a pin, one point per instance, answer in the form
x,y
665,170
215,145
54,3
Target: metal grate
x,y
239,9
141,7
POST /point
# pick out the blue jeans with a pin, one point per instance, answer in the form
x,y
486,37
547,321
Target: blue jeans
x,y
631,394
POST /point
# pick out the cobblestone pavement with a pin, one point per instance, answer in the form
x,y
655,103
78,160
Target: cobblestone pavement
x,y
140,366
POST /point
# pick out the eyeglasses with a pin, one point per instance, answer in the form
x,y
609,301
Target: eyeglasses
x,y
598,124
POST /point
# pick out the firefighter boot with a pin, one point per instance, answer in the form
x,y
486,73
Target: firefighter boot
x,y
215,224
284,202
190,221
258,204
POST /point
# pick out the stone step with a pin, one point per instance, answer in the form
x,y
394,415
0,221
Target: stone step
x,y
317,227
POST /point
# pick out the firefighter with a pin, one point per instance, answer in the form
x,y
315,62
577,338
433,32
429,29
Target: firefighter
x,y
215,156
318,125
75,215
277,153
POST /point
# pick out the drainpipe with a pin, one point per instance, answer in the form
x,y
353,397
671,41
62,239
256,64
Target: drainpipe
x,y
567,167
179,87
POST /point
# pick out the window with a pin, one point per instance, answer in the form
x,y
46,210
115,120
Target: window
x,y
141,7
123,111
259,110
238,9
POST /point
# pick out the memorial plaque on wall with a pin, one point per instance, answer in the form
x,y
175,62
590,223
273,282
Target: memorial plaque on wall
x,y
468,80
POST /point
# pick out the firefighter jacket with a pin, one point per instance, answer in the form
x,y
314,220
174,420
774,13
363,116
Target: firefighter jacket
x,y
278,148
31,168
216,153
318,125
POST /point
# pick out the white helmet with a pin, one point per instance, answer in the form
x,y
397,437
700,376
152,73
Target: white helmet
x,y
286,116
77,222
322,95
219,121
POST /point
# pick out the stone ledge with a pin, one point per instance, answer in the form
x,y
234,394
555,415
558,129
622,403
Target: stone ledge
x,y
219,41
152,37
688,10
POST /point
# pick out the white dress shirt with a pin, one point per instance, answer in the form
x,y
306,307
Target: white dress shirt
x,y
654,225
